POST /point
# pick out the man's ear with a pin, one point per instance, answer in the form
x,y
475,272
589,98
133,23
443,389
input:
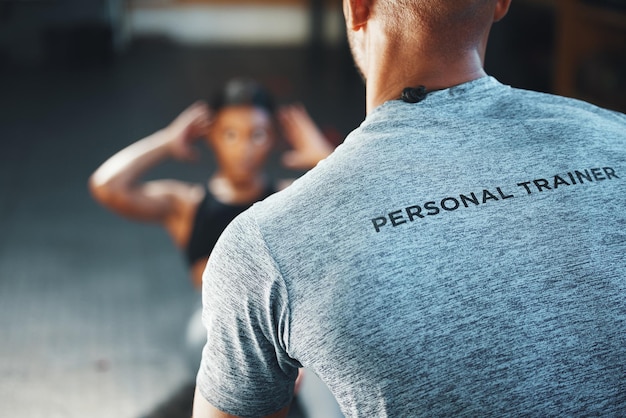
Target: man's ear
x,y
357,13
502,7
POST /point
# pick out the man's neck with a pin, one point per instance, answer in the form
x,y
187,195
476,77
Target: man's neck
x,y
395,67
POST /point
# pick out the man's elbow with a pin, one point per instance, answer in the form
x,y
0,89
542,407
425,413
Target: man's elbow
x,y
203,409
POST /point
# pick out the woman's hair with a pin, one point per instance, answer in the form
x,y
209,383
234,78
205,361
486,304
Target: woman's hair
x,y
243,92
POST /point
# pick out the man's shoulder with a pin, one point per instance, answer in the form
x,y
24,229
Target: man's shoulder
x,y
313,193
546,100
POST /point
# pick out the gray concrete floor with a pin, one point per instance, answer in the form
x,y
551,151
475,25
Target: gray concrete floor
x,y
93,307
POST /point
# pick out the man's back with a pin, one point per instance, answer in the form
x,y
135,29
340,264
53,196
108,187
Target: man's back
x,y
471,260
460,255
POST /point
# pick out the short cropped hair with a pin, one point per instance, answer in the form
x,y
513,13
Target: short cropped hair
x,y
243,92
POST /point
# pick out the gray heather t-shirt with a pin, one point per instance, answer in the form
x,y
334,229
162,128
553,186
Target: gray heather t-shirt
x,y
462,256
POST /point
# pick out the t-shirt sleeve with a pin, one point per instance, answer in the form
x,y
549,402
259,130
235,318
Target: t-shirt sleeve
x,y
245,368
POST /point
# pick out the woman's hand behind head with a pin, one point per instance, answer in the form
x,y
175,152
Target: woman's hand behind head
x,y
190,126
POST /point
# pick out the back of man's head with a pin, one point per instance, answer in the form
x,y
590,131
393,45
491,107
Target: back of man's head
x,y
456,20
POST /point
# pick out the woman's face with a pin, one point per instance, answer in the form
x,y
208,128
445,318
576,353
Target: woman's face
x,y
242,138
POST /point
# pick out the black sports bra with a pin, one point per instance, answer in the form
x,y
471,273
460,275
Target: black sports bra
x,y
212,217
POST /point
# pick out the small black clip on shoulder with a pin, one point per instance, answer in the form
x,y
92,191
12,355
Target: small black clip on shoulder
x,y
413,94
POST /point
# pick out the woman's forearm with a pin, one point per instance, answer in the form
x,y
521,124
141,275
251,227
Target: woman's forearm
x,y
124,169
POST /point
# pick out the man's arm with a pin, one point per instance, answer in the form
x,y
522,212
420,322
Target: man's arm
x,y
246,368
203,409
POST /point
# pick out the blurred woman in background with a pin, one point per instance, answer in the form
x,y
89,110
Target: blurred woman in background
x,y
240,127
